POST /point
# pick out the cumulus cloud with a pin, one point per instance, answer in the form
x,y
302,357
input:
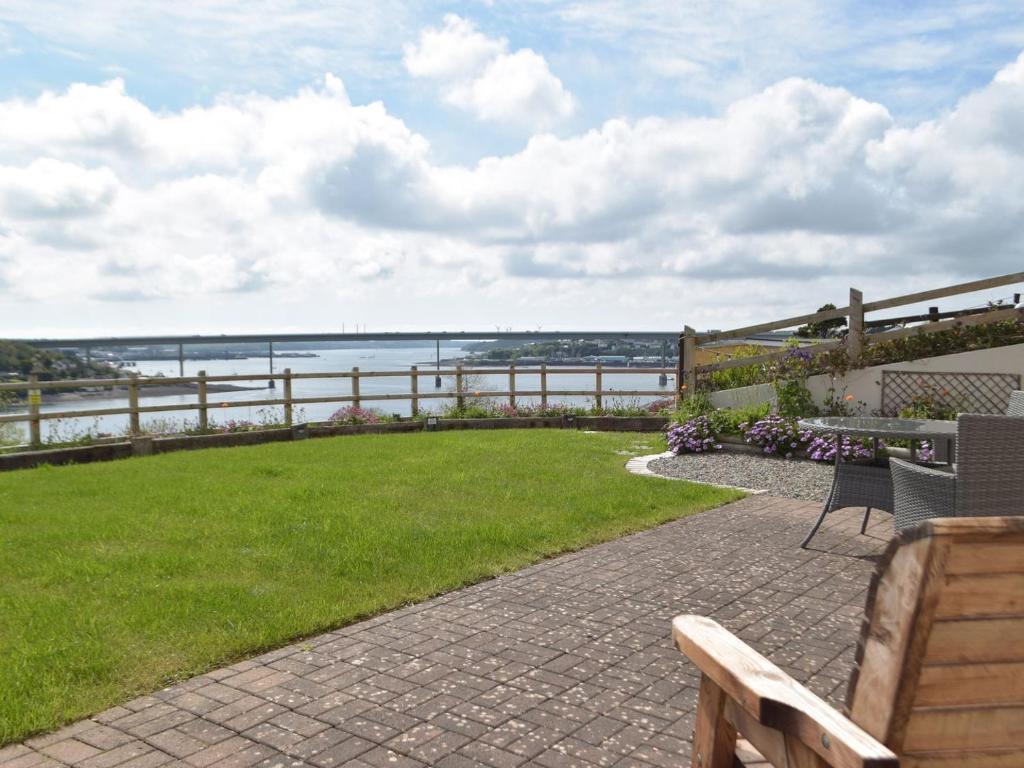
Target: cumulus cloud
x,y
478,74
51,189
102,196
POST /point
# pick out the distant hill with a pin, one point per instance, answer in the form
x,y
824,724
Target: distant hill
x,y
17,361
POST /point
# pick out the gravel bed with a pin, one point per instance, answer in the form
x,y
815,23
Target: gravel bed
x,y
795,478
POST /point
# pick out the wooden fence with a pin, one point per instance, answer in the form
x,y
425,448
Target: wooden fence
x,y
207,401
855,340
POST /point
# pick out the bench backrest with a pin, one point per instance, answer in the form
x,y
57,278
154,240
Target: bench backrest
x,y
940,664
990,465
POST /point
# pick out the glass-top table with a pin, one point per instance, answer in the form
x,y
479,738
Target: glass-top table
x,y
869,484
882,427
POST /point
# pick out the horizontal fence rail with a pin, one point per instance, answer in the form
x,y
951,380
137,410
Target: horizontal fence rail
x,y
856,339
208,401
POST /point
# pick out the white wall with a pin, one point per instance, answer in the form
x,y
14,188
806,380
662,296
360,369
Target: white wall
x,y
865,384
741,397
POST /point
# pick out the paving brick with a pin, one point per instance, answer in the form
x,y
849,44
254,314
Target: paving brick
x,y
246,757
25,758
217,752
69,751
272,736
342,752
104,737
152,759
115,756
176,743
567,662
205,731
63,734
382,757
300,724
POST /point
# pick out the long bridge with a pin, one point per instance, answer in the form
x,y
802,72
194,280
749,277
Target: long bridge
x,y
258,338
87,344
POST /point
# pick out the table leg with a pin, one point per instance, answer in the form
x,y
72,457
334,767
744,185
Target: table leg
x,y
828,502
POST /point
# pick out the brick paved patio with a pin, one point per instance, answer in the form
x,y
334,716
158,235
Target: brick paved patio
x,y
565,663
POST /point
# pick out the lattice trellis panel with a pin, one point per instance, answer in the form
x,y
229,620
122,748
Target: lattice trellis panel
x,y
960,392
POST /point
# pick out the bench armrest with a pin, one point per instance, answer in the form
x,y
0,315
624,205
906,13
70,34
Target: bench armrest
x,y
773,699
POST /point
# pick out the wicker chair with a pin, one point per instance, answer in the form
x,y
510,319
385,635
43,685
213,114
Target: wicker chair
x,y
988,477
1016,406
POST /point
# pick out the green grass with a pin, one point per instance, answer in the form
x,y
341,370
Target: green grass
x,y
122,577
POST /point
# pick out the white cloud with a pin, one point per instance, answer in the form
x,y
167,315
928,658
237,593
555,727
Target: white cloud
x,y
792,191
454,51
478,74
51,189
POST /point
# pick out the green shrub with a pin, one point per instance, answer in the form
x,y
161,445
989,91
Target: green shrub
x,y
723,421
728,421
697,404
742,376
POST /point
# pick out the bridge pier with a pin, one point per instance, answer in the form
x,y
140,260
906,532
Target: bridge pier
x,y
270,347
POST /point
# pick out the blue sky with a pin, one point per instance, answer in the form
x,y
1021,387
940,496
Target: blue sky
x,y
593,149
622,59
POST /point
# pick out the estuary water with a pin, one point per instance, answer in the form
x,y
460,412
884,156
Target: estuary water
x,y
327,360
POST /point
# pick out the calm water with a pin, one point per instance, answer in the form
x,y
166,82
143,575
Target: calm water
x,y
371,359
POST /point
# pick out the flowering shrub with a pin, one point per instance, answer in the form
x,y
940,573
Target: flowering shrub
x,y
774,435
236,425
660,405
823,448
694,436
925,451
481,410
792,397
353,414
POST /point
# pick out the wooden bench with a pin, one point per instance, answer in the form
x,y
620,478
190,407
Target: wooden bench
x,y
939,680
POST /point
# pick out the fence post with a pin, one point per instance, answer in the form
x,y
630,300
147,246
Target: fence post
x,y
355,387
855,334
204,418
512,385
35,397
460,401
688,362
415,381
133,404
680,350
543,385
597,386
287,397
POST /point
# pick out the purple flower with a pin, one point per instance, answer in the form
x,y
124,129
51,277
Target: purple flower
x,y
353,414
694,436
774,435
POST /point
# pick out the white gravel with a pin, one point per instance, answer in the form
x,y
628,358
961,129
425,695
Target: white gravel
x,y
795,478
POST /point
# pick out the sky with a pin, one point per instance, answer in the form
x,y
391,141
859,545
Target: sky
x,y
295,165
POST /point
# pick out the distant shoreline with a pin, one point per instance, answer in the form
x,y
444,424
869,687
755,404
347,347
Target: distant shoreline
x,y
150,390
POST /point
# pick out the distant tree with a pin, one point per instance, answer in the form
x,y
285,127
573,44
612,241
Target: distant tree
x,y
18,360
823,329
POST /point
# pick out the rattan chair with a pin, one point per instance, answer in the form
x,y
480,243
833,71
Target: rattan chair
x,y
1016,406
988,478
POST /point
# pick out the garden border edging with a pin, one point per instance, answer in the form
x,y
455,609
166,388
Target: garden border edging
x,y
638,466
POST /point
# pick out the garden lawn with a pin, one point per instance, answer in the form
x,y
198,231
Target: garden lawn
x,y
118,578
